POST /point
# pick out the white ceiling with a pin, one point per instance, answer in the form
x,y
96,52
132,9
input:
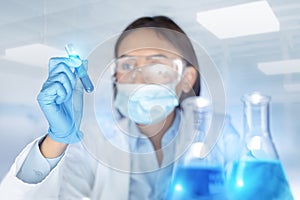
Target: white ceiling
x,y
90,22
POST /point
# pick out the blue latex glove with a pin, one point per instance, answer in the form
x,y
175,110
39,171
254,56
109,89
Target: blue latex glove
x,y
61,100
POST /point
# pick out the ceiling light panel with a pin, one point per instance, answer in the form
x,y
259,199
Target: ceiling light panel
x,y
240,20
33,55
280,67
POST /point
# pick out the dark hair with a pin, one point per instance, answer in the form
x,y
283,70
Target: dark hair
x,y
177,37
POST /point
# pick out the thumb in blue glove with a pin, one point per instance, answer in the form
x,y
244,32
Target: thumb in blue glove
x,y
61,100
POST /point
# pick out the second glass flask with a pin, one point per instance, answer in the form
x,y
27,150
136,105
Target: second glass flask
x,y
258,173
199,173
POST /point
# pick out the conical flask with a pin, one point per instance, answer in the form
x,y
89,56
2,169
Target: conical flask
x,y
198,176
258,174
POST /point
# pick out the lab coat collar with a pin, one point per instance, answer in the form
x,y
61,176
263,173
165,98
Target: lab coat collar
x,y
136,138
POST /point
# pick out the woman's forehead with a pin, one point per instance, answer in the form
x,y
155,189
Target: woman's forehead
x,y
145,40
150,52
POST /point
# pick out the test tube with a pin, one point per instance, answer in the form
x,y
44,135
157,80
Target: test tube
x,y
81,70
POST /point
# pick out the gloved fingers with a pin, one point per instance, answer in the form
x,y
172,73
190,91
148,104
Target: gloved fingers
x,y
52,93
64,81
70,62
62,68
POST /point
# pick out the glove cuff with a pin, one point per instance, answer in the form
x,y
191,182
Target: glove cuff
x,y
75,135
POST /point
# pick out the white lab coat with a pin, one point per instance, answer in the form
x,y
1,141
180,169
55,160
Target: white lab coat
x,y
76,176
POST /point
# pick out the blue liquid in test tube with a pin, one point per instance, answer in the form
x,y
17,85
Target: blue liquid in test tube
x,y
80,71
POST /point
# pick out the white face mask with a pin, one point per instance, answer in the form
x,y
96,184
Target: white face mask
x,y
146,103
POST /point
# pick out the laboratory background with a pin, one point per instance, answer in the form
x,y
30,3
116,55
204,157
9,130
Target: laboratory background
x,y
257,49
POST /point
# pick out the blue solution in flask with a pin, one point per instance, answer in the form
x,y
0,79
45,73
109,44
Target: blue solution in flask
x,y
198,183
258,173
199,173
258,180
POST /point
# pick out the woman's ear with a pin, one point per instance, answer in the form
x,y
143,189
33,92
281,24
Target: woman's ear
x,y
188,79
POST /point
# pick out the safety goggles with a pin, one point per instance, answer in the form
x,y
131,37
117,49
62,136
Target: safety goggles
x,y
150,69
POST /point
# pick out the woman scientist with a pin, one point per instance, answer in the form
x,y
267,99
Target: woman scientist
x,y
155,65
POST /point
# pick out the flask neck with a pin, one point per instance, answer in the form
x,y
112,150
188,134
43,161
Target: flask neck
x,y
257,136
197,114
256,119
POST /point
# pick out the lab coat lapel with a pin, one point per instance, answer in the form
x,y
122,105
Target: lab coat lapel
x,y
113,175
